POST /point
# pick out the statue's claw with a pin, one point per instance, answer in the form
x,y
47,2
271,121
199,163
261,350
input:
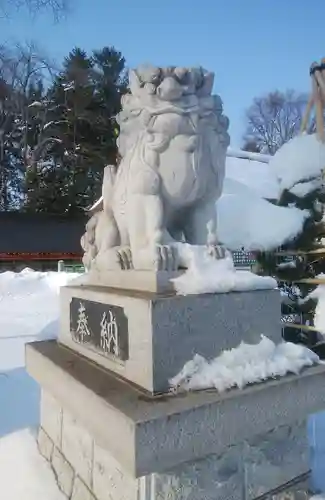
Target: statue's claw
x,y
125,257
165,258
114,259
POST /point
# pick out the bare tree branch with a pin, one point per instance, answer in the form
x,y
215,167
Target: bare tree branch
x,y
21,69
274,119
57,8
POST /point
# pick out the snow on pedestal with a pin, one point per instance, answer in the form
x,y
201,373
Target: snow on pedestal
x,y
243,365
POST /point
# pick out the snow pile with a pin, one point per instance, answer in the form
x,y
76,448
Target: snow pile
x,y
248,155
303,188
319,295
29,310
300,159
245,220
253,173
25,475
245,364
208,275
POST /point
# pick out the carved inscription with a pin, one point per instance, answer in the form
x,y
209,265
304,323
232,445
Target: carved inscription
x,y
101,327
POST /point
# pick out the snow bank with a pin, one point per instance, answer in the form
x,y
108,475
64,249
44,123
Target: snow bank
x,y
303,188
29,310
319,295
300,159
207,275
239,153
255,174
245,220
25,475
246,364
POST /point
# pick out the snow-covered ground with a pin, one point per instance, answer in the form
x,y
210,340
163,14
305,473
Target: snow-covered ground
x,y
28,311
25,475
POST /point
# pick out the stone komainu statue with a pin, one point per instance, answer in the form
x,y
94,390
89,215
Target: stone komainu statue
x,y
173,141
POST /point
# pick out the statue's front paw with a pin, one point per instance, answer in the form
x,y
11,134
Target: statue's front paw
x,y
217,251
113,259
158,258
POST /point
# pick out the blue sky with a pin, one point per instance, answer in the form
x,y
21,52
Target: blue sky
x,y
253,46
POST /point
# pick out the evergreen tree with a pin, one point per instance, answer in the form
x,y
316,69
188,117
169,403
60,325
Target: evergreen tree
x,y
11,159
299,261
77,138
21,82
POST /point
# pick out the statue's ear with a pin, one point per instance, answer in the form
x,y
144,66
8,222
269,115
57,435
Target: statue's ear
x,y
134,82
207,85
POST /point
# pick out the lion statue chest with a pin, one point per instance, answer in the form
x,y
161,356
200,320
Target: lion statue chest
x,y
185,172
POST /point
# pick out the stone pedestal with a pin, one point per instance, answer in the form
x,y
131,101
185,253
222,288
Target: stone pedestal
x,y
147,337
107,441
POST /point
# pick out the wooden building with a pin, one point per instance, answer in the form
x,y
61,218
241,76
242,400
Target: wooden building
x,y
39,240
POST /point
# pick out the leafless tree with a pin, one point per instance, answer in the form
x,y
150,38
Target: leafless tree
x,y
23,65
57,8
20,68
274,119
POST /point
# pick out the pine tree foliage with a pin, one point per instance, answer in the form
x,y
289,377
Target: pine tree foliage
x,y
298,261
299,266
22,71
77,132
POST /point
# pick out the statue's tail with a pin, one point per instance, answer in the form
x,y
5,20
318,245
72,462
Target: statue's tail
x,y
108,186
88,240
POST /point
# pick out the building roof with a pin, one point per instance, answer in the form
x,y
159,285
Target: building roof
x,y
40,233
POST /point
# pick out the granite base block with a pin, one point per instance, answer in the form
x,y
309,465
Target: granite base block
x,y
138,281
216,477
156,435
158,334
